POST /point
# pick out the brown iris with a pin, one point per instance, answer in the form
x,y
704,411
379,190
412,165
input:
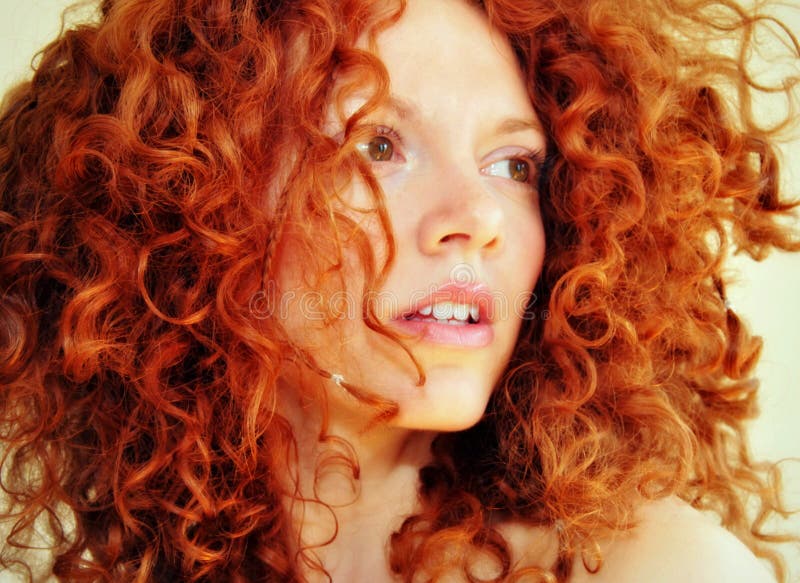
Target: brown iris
x,y
519,169
380,149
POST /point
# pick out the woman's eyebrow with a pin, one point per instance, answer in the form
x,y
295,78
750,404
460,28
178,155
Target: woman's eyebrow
x,y
408,111
513,125
403,108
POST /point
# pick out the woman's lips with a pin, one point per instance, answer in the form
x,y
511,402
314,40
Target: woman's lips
x,y
464,335
459,333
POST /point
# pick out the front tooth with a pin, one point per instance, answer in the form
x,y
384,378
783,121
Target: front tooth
x,y
438,321
461,312
443,310
474,312
426,311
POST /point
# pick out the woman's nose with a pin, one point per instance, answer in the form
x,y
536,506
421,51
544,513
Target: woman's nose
x,y
459,212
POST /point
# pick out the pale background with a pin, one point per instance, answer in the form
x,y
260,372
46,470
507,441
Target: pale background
x,y
767,296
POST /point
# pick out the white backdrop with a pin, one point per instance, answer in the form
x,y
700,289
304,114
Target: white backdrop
x,y
768,294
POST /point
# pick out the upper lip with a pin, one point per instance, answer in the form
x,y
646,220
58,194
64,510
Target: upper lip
x,y
477,294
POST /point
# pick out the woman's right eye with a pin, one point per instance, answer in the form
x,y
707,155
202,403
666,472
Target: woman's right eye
x,y
381,146
378,149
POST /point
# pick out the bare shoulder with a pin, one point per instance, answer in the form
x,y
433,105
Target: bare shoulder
x,y
674,543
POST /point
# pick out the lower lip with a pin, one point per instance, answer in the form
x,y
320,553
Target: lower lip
x,y
466,335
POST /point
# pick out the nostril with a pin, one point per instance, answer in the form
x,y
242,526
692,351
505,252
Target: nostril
x,y
493,244
451,236
459,226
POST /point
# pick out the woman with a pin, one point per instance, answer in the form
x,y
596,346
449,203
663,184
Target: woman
x,y
372,292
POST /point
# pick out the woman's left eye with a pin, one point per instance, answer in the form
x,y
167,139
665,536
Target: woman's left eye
x,y
517,169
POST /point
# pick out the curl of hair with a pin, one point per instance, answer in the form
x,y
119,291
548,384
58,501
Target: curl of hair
x,y
147,172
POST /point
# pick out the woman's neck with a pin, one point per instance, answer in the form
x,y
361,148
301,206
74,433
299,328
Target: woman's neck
x,y
354,485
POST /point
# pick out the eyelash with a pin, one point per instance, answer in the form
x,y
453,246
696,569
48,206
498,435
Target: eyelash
x,y
383,130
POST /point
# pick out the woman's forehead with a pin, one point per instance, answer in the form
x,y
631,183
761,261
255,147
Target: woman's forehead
x,y
442,57
431,31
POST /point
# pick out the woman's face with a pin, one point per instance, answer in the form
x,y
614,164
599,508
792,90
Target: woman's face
x,y
454,151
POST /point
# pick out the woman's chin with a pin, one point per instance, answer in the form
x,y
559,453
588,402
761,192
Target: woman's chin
x,y
444,404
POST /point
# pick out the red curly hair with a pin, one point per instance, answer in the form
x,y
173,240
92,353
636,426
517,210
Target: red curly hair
x,y
146,173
